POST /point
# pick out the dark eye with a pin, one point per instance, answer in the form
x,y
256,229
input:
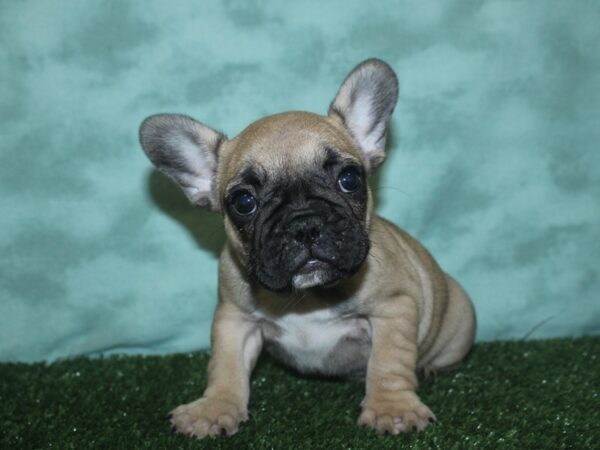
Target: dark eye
x,y
244,203
349,180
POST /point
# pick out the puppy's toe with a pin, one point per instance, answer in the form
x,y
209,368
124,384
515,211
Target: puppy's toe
x,y
227,424
367,418
385,424
199,428
399,425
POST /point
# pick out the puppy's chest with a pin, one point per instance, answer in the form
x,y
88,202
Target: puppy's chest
x,y
320,340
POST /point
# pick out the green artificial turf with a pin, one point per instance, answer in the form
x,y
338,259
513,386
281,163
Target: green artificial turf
x,y
537,394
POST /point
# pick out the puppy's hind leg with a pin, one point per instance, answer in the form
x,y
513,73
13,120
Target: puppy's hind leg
x,y
456,335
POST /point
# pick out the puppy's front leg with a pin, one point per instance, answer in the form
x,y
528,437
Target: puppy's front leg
x,y
236,343
391,404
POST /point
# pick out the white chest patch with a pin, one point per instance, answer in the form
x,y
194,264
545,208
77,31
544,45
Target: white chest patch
x,y
311,339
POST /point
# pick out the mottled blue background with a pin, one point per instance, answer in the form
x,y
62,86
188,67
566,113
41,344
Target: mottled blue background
x,y
494,161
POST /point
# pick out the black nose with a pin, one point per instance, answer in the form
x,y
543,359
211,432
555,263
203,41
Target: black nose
x,y
306,230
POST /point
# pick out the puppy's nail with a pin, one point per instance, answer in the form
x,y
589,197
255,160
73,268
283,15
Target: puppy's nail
x,y
414,428
168,417
431,420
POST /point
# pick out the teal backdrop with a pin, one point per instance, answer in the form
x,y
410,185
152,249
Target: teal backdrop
x,y
494,161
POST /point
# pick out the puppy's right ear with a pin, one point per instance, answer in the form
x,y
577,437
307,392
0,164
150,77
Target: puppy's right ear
x,y
185,150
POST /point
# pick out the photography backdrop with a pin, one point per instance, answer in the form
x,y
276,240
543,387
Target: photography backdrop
x,y
494,160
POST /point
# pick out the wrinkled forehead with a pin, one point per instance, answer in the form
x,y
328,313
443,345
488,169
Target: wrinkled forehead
x,y
288,145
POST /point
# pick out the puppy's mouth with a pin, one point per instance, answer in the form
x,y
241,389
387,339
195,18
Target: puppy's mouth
x,y
315,272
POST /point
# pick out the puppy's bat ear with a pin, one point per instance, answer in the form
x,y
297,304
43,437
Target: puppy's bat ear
x,y
364,104
186,151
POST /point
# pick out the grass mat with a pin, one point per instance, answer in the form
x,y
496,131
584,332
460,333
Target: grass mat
x,y
535,394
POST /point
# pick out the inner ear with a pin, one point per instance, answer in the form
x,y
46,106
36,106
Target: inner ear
x,y
185,150
365,103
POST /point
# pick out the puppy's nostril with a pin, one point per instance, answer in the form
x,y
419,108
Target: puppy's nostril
x,y
314,234
307,235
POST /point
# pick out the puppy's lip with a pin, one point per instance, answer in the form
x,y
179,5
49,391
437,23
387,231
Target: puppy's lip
x,y
312,265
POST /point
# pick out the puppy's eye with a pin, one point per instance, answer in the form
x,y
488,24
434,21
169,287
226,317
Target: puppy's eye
x,y
349,180
244,203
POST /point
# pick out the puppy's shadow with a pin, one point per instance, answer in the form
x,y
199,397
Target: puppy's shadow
x,y
205,227
375,179
374,183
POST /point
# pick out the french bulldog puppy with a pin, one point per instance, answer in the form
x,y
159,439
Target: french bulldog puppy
x,y
308,270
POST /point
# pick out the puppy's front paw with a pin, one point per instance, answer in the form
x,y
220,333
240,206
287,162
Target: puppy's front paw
x,y
208,416
395,413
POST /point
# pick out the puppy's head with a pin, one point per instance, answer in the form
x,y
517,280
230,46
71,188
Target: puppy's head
x,y
291,187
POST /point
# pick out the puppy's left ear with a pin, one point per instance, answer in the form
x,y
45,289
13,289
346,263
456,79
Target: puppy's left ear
x,y
365,103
